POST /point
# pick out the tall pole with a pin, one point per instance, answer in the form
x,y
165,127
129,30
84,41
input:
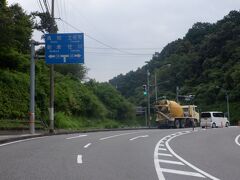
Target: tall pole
x,y
32,90
51,104
227,98
148,98
156,88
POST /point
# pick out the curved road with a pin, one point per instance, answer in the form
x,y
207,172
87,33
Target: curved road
x,y
177,154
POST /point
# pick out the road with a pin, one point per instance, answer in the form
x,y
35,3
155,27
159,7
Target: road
x,y
175,154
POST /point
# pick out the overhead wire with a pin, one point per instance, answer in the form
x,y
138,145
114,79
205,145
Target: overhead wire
x,y
40,5
100,42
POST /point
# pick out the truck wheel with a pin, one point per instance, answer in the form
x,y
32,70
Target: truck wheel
x,y
182,124
214,125
227,124
177,124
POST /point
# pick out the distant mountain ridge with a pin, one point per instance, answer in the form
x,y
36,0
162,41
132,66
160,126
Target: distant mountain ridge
x,y
206,63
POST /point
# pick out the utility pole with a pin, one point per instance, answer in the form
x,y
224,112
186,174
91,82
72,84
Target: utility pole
x,y
32,90
177,93
51,104
156,89
148,98
227,98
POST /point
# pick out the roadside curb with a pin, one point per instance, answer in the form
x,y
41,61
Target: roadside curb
x,y
62,132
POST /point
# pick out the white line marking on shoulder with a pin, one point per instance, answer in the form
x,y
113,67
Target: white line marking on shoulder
x,y
79,136
171,162
138,137
182,172
117,135
79,159
164,154
24,140
87,145
236,140
187,163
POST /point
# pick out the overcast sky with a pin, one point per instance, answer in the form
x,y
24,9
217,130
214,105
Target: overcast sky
x,y
137,28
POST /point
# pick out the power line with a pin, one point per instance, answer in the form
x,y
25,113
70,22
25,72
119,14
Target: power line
x,y
40,5
103,53
100,42
142,48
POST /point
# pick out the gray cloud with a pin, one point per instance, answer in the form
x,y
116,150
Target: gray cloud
x,y
131,24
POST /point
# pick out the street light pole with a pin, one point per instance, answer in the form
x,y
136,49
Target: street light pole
x,y
156,88
227,98
148,98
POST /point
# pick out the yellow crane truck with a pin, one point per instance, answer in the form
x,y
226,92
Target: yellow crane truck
x,y
172,114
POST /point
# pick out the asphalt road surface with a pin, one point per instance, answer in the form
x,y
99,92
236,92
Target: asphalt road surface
x,y
175,154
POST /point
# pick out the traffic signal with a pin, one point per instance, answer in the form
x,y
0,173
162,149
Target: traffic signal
x,y
144,89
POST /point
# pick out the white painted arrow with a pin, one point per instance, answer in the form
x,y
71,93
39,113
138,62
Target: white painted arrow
x,y
51,56
77,55
64,57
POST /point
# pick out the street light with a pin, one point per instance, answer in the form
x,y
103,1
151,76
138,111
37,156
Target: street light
x,y
227,99
148,95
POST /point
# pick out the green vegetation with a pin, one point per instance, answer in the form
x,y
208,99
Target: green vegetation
x,y
78,104
205,63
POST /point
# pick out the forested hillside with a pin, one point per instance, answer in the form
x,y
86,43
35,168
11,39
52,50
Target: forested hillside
x,y
77,103
205,63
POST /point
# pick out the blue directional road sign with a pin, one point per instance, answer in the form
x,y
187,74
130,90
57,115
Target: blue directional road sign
x,y
67,48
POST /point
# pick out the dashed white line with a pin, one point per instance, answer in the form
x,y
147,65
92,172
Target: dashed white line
x,y
162,149
87,145
109,137
236,140
182,172
79,159
187,163
171,162
164,154
138,137
74,137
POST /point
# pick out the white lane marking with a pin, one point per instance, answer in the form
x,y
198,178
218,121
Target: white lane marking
x,y
187,163
14,142
163,154
161,144
236,140
23,135
109,137
79,159
182,172
162,149
74,137
156,161
87,145
171,162
138,137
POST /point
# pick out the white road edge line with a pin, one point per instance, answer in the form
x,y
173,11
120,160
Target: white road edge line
x,y
182,172
87,145
109,137
14,142
138,137
79,159
236,140
171,162
74,137
187,163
